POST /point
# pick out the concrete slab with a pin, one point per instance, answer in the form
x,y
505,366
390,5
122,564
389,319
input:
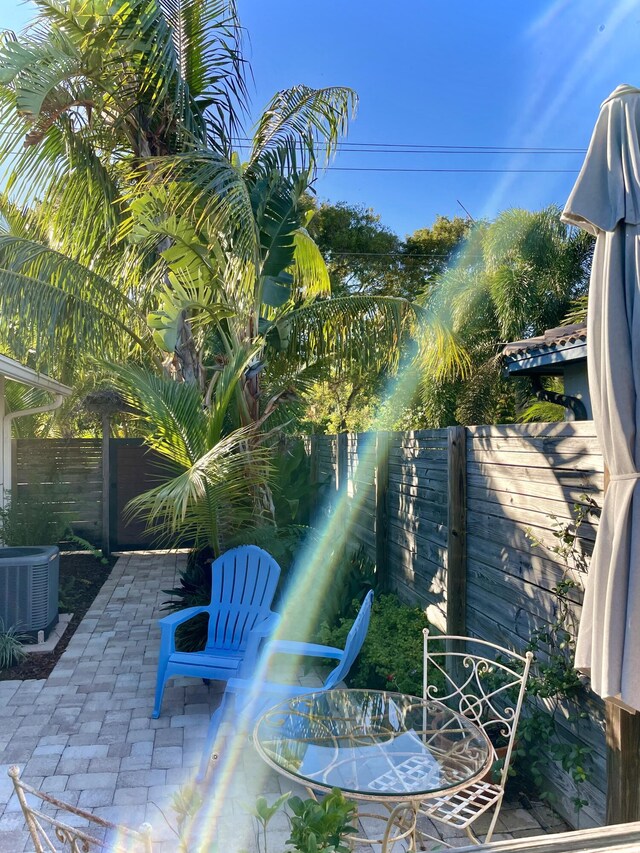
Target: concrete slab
x,y
53,639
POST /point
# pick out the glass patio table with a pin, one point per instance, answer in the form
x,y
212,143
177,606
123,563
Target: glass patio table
x,y
375,746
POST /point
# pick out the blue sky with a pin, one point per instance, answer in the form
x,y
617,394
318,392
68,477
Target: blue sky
x,y
446,72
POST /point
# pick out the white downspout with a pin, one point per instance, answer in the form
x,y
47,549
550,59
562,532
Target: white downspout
x,y
7,420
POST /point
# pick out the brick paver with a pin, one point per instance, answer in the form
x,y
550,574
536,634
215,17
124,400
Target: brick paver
x,y
85,734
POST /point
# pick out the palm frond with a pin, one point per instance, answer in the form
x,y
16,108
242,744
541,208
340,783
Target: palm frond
x,y
213,499
170,413
444,354
578,312
209,190
211,479
299,123
61,304
208,44
310,274
542,411
362,330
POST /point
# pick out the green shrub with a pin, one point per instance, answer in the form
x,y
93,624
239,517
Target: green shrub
x,y
11,651
354,576
32,520
391,657
322,827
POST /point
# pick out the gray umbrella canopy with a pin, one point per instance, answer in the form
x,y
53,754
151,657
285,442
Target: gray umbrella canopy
x,y
606,202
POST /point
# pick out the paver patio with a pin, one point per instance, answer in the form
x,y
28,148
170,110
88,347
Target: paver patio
x,y
86,735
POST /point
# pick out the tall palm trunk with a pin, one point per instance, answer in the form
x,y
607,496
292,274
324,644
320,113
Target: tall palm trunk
x,y
186,356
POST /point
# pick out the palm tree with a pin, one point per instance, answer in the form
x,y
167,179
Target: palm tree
x,y
88,93
133,232
211,474
515,278
140,209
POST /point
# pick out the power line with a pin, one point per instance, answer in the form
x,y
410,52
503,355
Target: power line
x,y
442,170
436,169
464,152
469,171
508,149
404,255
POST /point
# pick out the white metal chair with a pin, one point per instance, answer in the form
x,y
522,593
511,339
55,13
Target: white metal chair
x,y
49,833
487,684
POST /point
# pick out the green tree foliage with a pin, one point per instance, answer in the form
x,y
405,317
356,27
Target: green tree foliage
x,y
514,278
429,251
133,232
362,254
139,213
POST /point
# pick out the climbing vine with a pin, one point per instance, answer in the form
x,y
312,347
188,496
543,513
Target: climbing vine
x,y
555,685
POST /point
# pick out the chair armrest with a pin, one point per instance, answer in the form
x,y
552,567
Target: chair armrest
x,y
180,616
257,635
267,626
314,650
168,625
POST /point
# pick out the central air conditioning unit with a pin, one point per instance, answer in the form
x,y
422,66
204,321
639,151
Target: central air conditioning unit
x,y
29,589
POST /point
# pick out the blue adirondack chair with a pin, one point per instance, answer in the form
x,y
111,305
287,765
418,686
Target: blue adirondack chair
x,y
250,700
243,583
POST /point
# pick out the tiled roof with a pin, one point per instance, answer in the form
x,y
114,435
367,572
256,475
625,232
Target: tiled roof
x,y
552,339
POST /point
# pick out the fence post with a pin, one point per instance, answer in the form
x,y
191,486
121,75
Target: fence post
x,y
106,485
381,520
457,531
341,463
314,479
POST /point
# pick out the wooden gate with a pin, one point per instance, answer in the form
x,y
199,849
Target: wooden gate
x,y
133,469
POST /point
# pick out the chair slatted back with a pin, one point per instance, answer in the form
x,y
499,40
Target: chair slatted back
x,y
355,639
230,626
51,833
481,680
243,584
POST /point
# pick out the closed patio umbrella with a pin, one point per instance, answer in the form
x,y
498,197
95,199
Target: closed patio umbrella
x,y
606,202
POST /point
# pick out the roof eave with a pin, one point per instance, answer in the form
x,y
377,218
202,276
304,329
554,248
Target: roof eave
x,y
11,369
550,361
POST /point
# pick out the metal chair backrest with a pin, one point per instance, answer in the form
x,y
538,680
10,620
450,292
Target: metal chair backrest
x,y
481,680
243,583
353,644
48,833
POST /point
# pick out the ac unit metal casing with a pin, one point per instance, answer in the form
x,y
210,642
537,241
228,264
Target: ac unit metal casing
x,y
29,579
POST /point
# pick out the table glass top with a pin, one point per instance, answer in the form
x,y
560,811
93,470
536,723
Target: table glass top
x,y
372,743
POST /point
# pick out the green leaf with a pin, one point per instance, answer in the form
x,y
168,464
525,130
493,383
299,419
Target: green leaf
x,y
274,293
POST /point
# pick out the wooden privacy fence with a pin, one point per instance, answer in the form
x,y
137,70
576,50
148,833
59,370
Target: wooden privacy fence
x,y
64,474
72,478
461,521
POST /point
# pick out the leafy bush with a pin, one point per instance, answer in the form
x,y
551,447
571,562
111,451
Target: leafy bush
x,y
283,543
391,657
11,651
293,493
33,521
322,827
194,590
555,690
84,545
355,575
